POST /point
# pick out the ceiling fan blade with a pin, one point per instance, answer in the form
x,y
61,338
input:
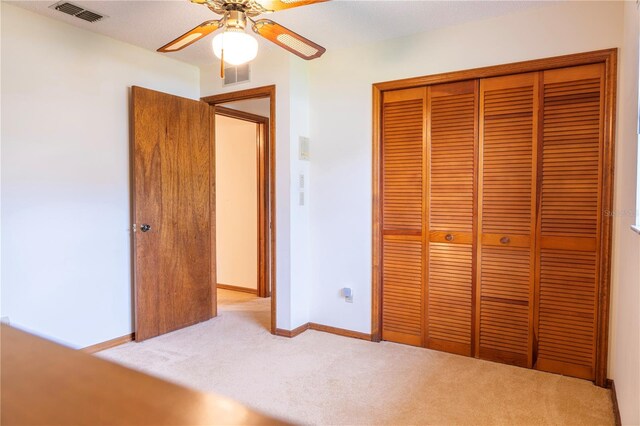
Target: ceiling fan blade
x,y
192,36
275,5
288,40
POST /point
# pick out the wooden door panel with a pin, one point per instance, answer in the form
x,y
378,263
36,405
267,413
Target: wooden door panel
x,y
505,283
402,164
449,307
171,191
451,168
451,163
508,149
571,143
567,302
402,295
570,218
402,216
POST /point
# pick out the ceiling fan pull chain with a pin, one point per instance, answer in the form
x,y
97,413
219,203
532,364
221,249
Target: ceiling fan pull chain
x,y
222,51
222,64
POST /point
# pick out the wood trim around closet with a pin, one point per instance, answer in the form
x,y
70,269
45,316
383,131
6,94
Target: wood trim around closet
x,y
602,338
608,57
594,57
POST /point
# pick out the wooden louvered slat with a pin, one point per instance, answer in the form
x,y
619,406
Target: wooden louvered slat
x,y
569,226
402,296
403,144
505,283
508,150
567,317
452,135
403,124
451,163
571,142
449,304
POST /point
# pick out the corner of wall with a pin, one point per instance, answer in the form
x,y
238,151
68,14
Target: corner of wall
x,y
300,195
624,334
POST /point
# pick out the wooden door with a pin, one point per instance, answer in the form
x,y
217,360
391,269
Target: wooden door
x,y
174,264
402,199
452,116
507,193
570,219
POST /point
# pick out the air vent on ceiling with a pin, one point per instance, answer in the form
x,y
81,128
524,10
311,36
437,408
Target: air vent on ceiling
x,y
89,16
77,11
236,74
68,8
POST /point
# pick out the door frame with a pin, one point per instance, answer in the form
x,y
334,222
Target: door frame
x,y
266,181
262,142
609,58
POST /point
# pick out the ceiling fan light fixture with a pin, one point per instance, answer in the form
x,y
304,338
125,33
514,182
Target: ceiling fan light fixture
x,y
239,47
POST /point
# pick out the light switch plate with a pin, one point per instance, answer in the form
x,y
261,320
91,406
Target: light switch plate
x,y
303,148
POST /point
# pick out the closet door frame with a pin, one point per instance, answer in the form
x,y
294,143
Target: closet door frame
x,y
608,57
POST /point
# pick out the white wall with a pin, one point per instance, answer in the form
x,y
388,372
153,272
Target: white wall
x,y
236,202
300,231
65,174
624,350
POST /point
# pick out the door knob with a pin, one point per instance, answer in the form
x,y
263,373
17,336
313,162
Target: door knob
x,y
448,237
145,227
505,240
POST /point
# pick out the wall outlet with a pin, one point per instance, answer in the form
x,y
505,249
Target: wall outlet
x,y
347,294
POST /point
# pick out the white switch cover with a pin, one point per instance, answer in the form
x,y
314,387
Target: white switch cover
x,y
303,148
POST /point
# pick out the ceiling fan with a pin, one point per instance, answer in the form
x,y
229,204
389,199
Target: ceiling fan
x,y
234,45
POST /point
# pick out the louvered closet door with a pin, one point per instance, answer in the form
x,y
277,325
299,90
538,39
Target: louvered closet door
x,y
569,225
403,145
451,158
507,189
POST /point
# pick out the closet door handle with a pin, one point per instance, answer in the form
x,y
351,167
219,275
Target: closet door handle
x,y
448,237
505,240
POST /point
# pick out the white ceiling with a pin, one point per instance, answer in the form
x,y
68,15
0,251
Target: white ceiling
x,y
334,24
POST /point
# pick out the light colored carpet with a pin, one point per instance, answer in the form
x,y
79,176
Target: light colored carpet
x,y
320,378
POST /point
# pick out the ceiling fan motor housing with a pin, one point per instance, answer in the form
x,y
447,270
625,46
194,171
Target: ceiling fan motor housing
x,y
235,20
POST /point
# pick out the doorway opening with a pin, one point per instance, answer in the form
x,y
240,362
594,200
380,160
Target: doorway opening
x,y
244,146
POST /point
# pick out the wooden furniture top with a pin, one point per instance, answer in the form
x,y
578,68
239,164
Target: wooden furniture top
x,y
46,383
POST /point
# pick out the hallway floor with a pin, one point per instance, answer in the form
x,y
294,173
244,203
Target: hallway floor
x,y
320,378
